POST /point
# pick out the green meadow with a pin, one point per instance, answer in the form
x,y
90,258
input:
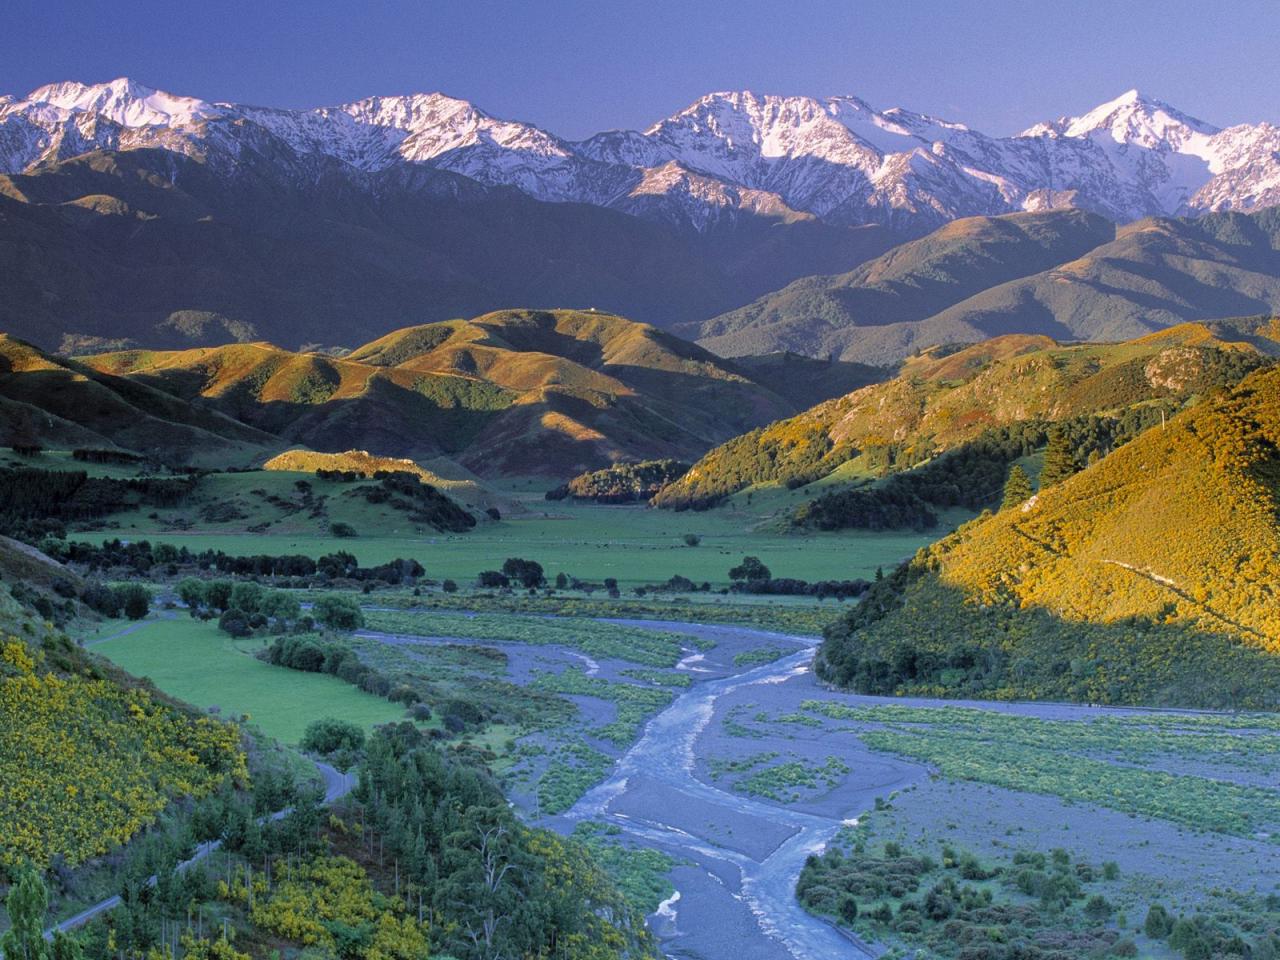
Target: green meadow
x,y
633,544
196,662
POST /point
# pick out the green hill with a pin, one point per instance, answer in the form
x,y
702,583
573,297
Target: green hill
x,y
941,400
1062,274
1149,577
516,392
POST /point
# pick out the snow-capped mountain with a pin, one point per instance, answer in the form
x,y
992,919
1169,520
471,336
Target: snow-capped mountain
x,y
725,156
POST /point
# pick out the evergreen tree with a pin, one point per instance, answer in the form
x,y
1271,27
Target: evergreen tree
x,y
27,902
66,947
1059,460
1017,489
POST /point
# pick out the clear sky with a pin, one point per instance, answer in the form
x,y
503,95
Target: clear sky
x,y
579,66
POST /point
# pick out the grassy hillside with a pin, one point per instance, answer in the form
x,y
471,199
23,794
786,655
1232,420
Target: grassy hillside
x,y
1150,577
442,473
517,392
943,399
1067,279
53,402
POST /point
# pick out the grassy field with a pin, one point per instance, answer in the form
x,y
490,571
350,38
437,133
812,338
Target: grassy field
x,y
796,615
196,662
263,512
635,645
1201,771
634,545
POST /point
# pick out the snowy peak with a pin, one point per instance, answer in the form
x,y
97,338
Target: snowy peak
x,y
123,101
1131,117
727,155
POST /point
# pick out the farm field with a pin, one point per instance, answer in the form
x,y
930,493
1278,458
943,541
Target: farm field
x,y
267,511
634,545
194,661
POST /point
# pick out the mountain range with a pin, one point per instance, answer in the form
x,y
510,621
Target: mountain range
x,y
134,217
727,154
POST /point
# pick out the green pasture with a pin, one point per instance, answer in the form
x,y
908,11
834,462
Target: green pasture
x,y
194,661
632,544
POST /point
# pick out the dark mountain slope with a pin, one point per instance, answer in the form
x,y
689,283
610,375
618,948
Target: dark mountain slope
x,y
1151,274
821,315
156,248
48,401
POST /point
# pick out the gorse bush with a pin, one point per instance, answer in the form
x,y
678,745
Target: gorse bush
x,y
330,903
86,764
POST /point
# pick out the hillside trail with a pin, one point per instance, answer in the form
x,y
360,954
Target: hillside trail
x,y
336,786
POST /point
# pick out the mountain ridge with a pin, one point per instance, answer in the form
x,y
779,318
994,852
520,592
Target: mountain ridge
x,y
1064,274
511,392
836,158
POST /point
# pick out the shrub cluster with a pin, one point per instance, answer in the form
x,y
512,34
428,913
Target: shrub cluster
x,y
622,482
951,910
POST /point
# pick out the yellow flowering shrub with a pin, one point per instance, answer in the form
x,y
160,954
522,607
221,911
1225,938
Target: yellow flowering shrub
x,y
85,764
325,894
16,657
199,949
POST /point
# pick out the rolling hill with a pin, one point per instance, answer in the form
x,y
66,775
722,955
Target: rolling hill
x,y
551,393
53,402
1064,274
942,399
1149,577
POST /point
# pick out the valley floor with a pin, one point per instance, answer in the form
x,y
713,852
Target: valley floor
x,y
716,746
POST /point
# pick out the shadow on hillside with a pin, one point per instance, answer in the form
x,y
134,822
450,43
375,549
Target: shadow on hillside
x,y
935,641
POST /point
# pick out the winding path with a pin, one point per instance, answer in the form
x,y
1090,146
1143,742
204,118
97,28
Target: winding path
x,y
336,786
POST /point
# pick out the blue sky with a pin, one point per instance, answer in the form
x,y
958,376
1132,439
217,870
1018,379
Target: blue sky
x,y
578,66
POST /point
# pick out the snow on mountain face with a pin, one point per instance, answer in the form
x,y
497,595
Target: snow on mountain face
x,y
726,155
124,102
1131,118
